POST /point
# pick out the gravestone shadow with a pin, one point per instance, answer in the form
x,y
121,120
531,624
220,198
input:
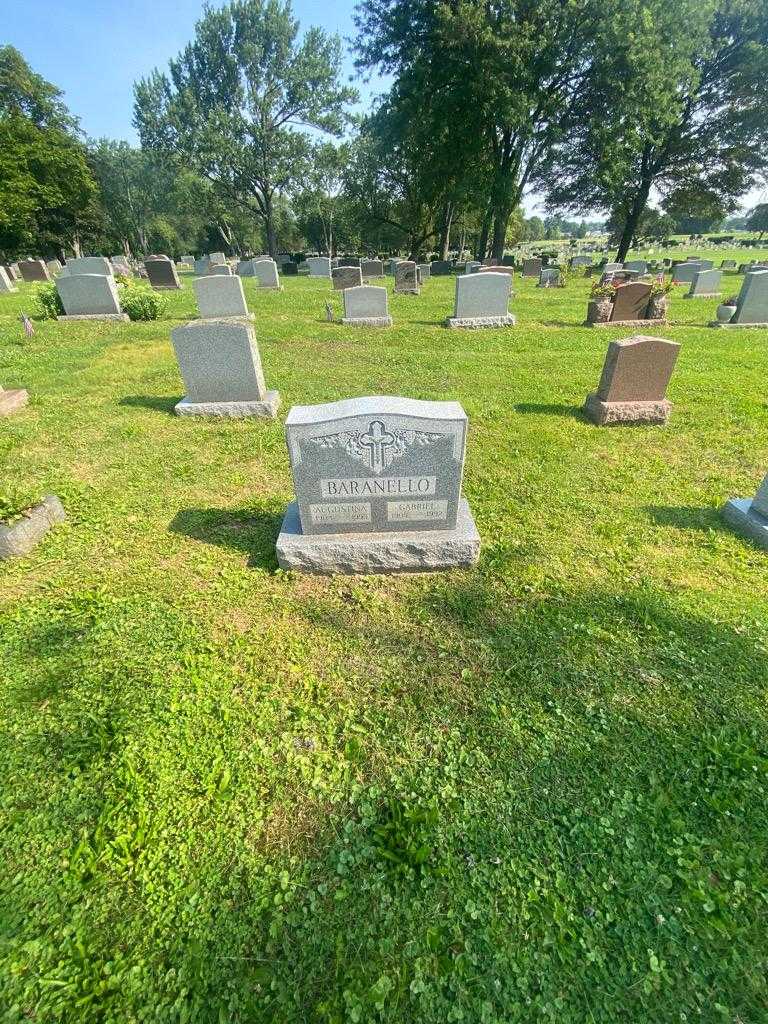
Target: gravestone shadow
x,y
687,517
551,409
253,531
157,403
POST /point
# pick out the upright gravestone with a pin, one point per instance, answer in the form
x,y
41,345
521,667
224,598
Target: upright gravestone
x,y
6,285
33,270
392,264
319,266
407,278
366,306
346,277
471,266
631,303
728,265
491,269
202,266
482,300
219,270
440,268
684,273
640,266
220,297
531,268
221,368
12,400
612,268
372,268
549,277
13,272
378,488
705,285
749,516
217,257
54,267
89,265
89,297
289,269
425,272
633,385
264,270
752,303
161,273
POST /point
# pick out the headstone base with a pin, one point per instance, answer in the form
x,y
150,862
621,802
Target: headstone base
x,y
407,291
738,513
266,410
367,321
732,326
120,317
607,413
21,537
475,322
704,295
12,401
361,553
625,323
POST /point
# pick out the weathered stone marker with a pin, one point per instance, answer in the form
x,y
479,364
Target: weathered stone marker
x,y
12,400
631,302
705,285
21,537
749,516
366,306
372,268
220,297
346,277
6,284
752,303
89,297
89,265
264,270
407,278
33,270
319,266
531,268
161,273
378,488
482,300
221,368
633,385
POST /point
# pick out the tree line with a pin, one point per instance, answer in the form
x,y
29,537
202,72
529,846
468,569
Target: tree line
x,y
648,115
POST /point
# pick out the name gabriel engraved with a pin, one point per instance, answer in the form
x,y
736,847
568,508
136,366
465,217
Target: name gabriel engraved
x,y
383,487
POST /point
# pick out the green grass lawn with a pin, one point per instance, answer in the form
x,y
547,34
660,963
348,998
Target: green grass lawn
x,y
533,791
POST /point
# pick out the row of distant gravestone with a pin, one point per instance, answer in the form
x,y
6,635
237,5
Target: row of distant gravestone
x,y
378,480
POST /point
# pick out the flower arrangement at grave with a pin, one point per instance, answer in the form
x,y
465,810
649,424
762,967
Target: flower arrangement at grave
x,y
600,305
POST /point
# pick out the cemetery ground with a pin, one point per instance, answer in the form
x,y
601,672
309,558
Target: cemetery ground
x,y
535,790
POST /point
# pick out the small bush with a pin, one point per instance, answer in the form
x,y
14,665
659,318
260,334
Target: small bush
x,y
141,303
47,304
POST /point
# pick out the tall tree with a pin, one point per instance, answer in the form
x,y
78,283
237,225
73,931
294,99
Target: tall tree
x,y
236,100
677,106
506,74
757,219
47,191
319,202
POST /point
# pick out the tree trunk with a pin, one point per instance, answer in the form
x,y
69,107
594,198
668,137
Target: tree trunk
x,y
501,217
445,231
485,229
636,210
269,218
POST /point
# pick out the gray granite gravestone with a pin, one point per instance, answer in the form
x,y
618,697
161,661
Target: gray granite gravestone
x,y
220,297
378,488
201,266
265,271
581,261
728,265
472,266
684,273
425,272
407,278
12,400
549,277
54,267
705,285
219,270
319,266
89,297
391,264
89,265
372,268
640,266
13,272
161,273
6,286
531,268
633,385
749,516
752,303
492,268
33,270
217,257
221,368
366,306
346,277
482,300
440,268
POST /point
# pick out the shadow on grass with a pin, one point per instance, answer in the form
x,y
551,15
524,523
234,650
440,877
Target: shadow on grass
x,y
688,517
251,530
552,409
158,403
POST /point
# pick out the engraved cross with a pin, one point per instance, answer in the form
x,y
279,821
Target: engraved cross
x,y
377,440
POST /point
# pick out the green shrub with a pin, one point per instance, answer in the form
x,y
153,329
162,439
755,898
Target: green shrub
x,y
141,303
47,304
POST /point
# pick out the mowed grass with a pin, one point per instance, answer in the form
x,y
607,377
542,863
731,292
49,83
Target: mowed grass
x,y
533,791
